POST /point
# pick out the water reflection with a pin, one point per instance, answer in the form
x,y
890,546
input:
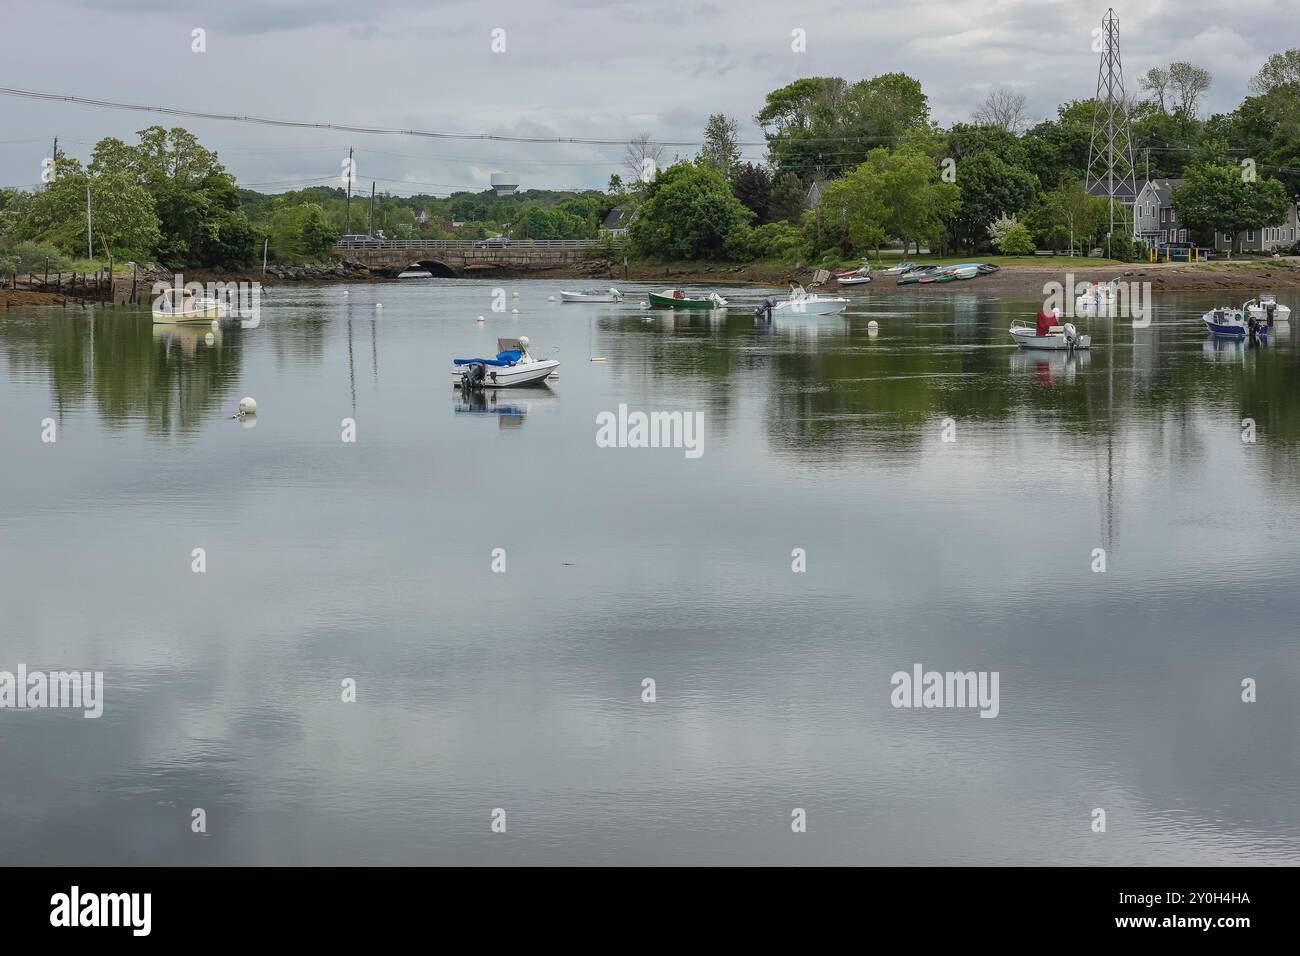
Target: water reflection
x,y
510,406
329,559
170,377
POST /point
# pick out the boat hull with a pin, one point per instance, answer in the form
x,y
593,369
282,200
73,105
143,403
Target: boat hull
x,y
813,307
1028,338
1281,315
853,280
525,373
583,297
206,314
668,301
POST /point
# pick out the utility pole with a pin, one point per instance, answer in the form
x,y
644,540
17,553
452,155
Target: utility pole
x,y
266,244
90,250
348,228
371,229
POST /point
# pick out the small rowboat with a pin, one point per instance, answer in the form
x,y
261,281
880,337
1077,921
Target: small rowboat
x,y
592,295
678,299
857,277
184,305
1233,322
903,268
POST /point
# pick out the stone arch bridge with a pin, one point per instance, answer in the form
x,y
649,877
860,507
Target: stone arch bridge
x,y
455,258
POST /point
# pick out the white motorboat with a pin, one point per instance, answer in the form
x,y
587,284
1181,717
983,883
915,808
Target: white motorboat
x,y
1046,335
592,295
859,276
185,305
803,302
1233,322
1266,309
512,366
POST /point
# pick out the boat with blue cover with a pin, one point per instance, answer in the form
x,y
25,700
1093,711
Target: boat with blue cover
x,y
512,366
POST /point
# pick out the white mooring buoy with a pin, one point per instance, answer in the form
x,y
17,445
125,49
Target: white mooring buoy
x,y
479,319
873,325
379,305
514,311
247,406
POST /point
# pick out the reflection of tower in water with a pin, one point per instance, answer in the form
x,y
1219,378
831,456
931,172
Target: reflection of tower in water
x,y
1106,486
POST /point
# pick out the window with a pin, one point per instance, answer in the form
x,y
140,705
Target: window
x,y
1250,235
1173,216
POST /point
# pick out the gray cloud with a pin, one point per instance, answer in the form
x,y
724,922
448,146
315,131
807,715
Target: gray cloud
x,y
591,68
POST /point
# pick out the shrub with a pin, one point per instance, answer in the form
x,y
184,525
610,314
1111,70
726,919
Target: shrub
x,y
1017,241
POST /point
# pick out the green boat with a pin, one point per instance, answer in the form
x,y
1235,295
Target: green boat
x,y
678,299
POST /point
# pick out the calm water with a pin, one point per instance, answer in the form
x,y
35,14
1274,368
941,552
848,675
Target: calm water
x,y
476,690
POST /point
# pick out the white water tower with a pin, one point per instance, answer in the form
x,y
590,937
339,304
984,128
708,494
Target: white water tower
x,y
505,184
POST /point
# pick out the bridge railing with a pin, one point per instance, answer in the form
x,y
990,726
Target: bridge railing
x,y
468,244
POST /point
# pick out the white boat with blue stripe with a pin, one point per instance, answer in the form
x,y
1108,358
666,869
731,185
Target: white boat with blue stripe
x,y
1233,322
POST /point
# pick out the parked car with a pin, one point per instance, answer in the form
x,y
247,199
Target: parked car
x,y
495,242
359,241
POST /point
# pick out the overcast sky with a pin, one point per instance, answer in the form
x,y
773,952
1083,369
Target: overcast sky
x,y
576,68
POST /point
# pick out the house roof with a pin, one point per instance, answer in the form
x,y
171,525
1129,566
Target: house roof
x,y
1163,188
1123,190
617,218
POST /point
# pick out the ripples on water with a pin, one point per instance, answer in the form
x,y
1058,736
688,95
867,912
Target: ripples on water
x,y
522,690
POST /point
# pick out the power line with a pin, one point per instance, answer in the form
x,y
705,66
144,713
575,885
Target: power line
x,y
383,131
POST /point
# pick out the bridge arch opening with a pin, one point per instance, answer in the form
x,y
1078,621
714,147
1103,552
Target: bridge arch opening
x,y
439,270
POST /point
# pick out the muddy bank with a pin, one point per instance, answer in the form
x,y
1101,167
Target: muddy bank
x,y
1246,276
1241,278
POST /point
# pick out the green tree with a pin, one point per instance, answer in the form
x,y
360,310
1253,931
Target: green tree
x,y
721,149
825,124
753,187
990,188
1017,241
1220,198
122,211
687,213
787,199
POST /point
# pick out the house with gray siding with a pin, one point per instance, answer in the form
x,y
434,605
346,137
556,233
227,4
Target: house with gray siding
x,y
1264,238
1155,222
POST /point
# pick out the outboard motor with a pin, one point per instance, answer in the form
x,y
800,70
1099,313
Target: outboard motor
x,y
764,310
472,376
1270,310
1071,334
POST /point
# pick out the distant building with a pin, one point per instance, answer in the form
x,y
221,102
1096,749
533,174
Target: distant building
x,y
1154,220
616,221
1264,238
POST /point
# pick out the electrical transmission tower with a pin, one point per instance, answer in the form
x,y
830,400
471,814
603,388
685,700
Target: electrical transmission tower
x,y
1111,169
